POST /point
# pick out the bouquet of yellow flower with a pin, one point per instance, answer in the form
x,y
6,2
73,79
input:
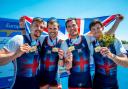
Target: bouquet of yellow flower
x,y
105,41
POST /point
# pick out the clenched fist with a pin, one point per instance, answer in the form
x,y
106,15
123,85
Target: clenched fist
x,y
25,48
61,53
119,17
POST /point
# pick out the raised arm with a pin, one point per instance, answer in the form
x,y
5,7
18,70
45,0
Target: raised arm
x,y
112,30
6,56
22,25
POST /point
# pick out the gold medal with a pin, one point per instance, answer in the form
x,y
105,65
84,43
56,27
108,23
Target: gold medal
x,y
33,49
71,48
97,49
54,49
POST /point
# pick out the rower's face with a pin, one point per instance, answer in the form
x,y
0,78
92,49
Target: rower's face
x,y
37,28
72,28
53,30
96,30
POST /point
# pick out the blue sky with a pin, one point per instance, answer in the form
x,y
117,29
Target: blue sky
x,y
67,8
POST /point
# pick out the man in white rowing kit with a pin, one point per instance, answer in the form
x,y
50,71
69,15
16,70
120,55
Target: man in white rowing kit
x,y
24,49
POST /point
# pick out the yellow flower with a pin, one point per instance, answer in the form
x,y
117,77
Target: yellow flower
x,y
106,40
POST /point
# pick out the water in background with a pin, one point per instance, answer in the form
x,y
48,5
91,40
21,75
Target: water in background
x,y
122,75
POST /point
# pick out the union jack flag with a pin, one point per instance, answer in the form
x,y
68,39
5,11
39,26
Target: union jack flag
x,y
83,24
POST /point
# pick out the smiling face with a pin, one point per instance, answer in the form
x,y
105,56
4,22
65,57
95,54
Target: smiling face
x,y
96,28
53,28
72,28
37,28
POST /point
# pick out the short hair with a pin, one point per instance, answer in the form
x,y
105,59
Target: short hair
x,y
94,22
52,21
70,19
38,19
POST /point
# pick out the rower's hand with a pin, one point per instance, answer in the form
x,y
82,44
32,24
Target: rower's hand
x,y
25,48
68,60
69,56
105,52
61,54
119,17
